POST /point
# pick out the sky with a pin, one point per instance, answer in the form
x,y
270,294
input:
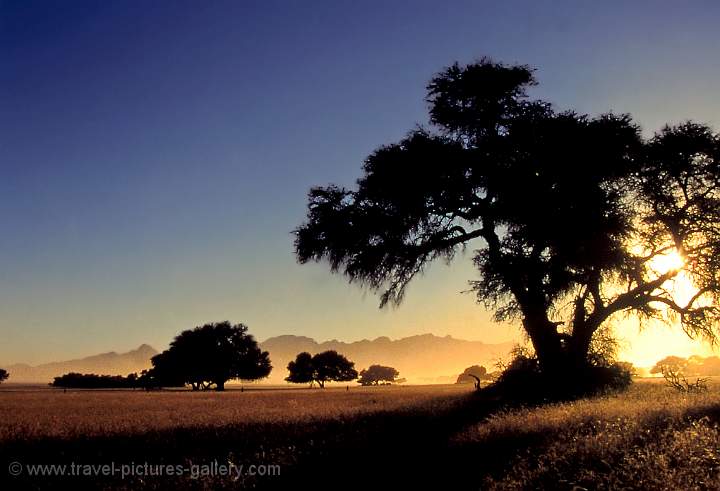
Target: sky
x,y
155,156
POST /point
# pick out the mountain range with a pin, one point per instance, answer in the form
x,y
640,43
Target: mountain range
x,y
111,363
423,358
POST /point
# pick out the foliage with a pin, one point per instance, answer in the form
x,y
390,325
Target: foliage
x,y
321,367
474,374
301,371
375,374
673,363
692,366
570,215
93,381
3,375
165,372
146,380
210,355
677,381
522,380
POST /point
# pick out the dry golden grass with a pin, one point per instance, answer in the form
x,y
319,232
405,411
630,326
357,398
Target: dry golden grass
x,y
650,437
52,413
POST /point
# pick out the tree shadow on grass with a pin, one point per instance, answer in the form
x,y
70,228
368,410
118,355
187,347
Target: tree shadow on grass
x,y
384,448
403,448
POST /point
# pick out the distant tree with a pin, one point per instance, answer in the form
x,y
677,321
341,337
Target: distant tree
x,y
158,377
708,366
210,355
332,366
3,375
573,220
693,365
322,367
474,374
167,371
94,381
375,374
301,370
672,363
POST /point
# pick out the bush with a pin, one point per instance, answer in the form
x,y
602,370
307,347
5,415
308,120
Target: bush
x,y
92,381
523,381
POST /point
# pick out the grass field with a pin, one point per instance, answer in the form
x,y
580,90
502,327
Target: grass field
x,y
647,438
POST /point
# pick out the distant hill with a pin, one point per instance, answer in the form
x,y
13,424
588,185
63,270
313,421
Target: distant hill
x,y
424,358
421,359
104,364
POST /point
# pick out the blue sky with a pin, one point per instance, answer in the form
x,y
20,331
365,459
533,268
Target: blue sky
x,y
155,156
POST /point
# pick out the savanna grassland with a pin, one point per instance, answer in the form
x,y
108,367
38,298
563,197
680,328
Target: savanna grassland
x,y
649,437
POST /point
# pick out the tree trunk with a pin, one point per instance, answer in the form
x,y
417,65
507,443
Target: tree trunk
x,y
220,385
546,341
579,345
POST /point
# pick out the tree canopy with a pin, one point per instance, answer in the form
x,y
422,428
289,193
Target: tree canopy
x,y
474,374
211,355
572,219
321,367
3,375
375,374
694,365
94,381
301,370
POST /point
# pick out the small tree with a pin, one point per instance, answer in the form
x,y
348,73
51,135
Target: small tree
x,y
211,355
321,368
332,366
677,381
3,375
301,370
378,373
674,364
475,374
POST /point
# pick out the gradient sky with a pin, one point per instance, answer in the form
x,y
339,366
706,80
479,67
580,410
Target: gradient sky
x,y
155,156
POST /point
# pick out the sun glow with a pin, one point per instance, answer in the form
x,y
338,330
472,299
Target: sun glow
x,y
664,263
680,286
645,346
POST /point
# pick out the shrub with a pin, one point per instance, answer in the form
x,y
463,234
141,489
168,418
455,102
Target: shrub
x,y
523,380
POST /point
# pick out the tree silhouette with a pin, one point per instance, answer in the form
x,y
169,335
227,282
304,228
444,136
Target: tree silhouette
x,y
93,381
3,375
321,368
210,355
674,363
571,218
474,374
694,365
375,374
301,370
165,372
